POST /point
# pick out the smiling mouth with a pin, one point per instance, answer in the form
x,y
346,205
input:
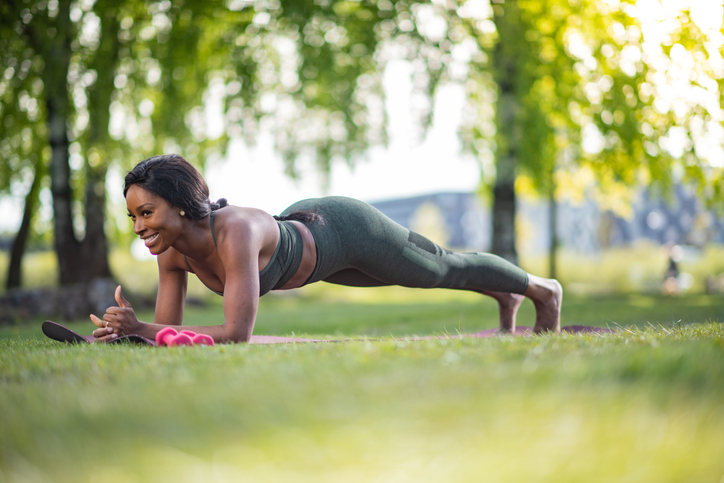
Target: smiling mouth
x,y
148,241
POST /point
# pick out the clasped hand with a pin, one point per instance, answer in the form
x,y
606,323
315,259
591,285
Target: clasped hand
x,y
117,321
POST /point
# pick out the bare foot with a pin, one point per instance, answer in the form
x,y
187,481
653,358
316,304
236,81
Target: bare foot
x,y
508,304
547,296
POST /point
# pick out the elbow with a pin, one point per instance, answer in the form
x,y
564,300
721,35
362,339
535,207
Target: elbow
x,y
237,336
240,339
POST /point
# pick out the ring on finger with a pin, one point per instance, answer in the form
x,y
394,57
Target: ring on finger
x,y
106,323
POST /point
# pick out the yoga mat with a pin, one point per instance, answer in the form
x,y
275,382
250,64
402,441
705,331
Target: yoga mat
x,y
61,333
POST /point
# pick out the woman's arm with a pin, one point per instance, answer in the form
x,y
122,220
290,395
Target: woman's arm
x,y
238,249
170,300
239,245
171,295
122,320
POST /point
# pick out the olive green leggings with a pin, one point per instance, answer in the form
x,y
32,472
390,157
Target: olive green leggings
x,y
357,245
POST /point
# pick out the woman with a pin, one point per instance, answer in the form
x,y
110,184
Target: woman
x,y
243,253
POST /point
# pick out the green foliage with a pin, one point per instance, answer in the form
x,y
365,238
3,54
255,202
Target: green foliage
x,y
592,85
586,72
23,134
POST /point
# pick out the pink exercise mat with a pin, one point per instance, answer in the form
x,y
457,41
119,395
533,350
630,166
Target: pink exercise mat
x,y
58,332
61,333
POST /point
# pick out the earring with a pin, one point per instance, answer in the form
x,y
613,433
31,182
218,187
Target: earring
x,y
182,213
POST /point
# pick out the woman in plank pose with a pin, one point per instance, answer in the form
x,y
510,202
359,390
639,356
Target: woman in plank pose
x,y
243,253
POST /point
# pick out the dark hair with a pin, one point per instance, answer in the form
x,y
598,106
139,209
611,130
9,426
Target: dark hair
x,y
305,216
174,179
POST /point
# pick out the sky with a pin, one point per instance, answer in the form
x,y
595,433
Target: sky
x,y
407,166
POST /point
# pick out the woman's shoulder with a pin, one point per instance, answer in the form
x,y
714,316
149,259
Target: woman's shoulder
x,y
237,222
241,216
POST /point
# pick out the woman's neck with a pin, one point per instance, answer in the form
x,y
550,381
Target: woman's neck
x,y
195,240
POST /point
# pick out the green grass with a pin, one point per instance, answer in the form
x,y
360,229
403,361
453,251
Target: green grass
x,y
644,404
324,310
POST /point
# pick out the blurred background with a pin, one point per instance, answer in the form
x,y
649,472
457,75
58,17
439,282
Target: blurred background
x,y
581,139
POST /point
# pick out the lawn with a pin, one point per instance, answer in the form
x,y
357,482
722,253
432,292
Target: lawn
x,y
643,404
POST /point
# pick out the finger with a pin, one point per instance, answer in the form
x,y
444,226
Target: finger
x,y
98,333
107,338
98,322
122,302
102,332
110,321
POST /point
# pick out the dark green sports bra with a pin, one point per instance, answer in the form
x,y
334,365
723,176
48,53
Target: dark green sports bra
x,y
284,262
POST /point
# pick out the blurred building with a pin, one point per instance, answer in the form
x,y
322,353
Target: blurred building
x,y
453,220
462,221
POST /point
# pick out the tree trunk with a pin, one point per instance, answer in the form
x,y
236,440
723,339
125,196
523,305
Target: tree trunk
x,y
95,244
105,63
509,133
55,78
14,278
504,210
552,224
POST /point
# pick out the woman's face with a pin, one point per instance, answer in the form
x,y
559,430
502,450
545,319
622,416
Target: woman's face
x,y
155,220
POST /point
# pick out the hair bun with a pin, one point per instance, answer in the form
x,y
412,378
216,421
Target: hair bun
x,y
220,203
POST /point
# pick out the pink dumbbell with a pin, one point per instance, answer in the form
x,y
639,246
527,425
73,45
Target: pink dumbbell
x,y
164,336
181,339
199,339
171,338
202,339
168,336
